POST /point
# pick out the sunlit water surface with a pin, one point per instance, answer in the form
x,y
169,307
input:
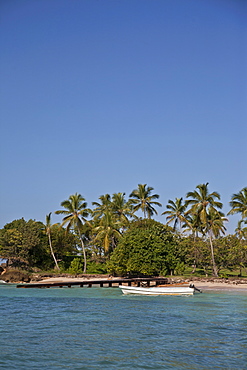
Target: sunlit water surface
x,y
99,328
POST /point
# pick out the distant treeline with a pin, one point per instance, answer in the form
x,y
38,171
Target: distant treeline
x,y
110,237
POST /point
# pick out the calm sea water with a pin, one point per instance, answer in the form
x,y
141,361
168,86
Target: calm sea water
x,y
99,328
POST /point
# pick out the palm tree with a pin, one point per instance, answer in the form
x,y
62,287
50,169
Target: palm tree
x,y
76,212
108,231
239,203
215,226
241,234
202,205
201,200
193,223
103,206
216,221
142,199
240,231
48,227
175,212
121,208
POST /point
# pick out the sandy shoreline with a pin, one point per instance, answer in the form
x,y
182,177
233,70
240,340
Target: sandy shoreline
x,y
219,286
203,285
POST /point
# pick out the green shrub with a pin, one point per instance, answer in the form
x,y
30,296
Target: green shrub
x,y
180,268
146,248
96,268
76,266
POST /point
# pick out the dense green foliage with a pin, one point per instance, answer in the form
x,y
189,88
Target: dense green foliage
x,y
25,243
112,233
148,248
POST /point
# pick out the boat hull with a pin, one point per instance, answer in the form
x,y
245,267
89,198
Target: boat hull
x,y
175,290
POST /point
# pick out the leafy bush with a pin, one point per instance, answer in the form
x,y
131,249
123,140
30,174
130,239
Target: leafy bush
x,y
76,266
146,248
96,268
180,268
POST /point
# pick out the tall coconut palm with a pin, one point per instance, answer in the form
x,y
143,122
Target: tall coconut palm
x,y
103,206
241,252
75,213
141,198
176,212
121,208
215,226
108,231
240,231
239,203
48,227
201,201
193,224
216,221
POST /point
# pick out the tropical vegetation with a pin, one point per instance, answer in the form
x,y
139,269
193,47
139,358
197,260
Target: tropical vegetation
x,y
148,248
141,198
75,213
119,235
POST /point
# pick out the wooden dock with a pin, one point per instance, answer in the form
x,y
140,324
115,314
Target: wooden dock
x,y
101,283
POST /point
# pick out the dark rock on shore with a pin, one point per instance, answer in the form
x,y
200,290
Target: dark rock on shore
x,y
15,276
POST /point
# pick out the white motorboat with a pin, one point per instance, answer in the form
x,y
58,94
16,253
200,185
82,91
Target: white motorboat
x,y
170,289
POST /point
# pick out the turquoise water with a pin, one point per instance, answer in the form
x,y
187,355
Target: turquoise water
x,y
99,328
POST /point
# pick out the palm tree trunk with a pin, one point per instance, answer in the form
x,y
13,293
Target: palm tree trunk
x,y
113,243
212,256
52,253
84,253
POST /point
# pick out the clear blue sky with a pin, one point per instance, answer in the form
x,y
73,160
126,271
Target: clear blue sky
x,y
99,96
